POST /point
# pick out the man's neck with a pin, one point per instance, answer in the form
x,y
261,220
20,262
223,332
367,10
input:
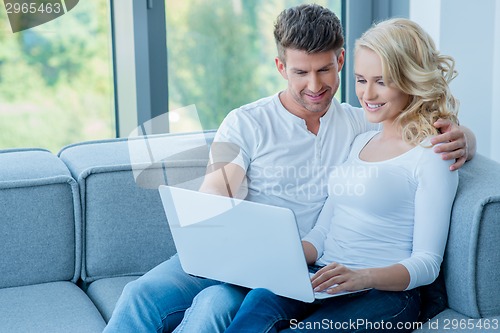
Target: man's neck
x,y
312,119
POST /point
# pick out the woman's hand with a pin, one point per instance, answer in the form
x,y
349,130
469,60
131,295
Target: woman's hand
x,y
336,278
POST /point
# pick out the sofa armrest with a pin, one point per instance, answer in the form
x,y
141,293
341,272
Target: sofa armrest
x,y
472,255
40,224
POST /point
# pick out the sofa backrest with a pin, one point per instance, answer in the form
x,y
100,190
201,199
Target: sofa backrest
x,y
40,226
126,231
472,255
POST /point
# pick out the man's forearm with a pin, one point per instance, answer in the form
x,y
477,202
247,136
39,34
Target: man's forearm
x,y
223,179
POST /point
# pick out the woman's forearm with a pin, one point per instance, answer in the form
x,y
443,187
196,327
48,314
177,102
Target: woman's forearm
x,y
310,252
391,278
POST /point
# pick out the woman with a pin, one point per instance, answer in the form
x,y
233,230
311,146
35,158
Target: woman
x,y
385,223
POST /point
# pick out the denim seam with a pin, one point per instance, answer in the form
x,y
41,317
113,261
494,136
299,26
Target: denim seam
x,y
175,310
393,316
402,310
276,320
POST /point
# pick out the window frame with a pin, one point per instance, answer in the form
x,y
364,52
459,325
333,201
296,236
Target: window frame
x,y
358,16
139,63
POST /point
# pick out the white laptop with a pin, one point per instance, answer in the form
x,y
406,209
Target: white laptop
x,y
239,242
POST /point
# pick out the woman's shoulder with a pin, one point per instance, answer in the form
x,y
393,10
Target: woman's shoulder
x,y
432,162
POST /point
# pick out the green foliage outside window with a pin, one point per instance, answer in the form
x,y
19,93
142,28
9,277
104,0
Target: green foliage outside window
x,y
56,83
56,80
221,53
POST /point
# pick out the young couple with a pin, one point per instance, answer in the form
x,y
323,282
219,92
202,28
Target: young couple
x,y
389,237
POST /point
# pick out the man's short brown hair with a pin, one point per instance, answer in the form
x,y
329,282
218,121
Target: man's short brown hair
x,y
310,28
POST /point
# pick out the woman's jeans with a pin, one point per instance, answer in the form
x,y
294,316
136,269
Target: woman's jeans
x,y
156,302
369,311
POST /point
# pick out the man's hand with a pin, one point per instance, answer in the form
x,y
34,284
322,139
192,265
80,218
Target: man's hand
x,y
458,143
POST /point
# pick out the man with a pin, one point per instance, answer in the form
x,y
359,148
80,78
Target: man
x,y
285,146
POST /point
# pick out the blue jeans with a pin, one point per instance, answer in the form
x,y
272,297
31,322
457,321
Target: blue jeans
x,y
213,309
371,311
156,302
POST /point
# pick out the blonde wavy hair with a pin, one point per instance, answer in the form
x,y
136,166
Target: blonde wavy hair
x,y
411,63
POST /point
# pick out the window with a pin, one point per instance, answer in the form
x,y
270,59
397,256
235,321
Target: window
x,y
57,79
56,84
221,56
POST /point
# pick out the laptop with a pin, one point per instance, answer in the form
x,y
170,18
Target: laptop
x,y
240,242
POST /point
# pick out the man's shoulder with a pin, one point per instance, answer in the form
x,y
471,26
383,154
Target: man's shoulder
x,y
262,105
348,110
346,114
249,115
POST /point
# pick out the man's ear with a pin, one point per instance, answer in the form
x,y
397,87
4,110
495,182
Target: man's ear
x,y
280,65
341,59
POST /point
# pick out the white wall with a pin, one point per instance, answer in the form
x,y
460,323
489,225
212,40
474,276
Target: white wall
x,y
495,91
470,32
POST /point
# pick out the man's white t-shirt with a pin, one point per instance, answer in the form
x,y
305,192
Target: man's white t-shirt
x,y
287,165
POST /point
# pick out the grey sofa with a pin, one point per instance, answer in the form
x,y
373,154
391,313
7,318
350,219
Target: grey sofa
x,y
77,226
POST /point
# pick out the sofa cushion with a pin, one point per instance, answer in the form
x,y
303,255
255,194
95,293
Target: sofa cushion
x,y
126,231
472,255
40,225
105,293
57,307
